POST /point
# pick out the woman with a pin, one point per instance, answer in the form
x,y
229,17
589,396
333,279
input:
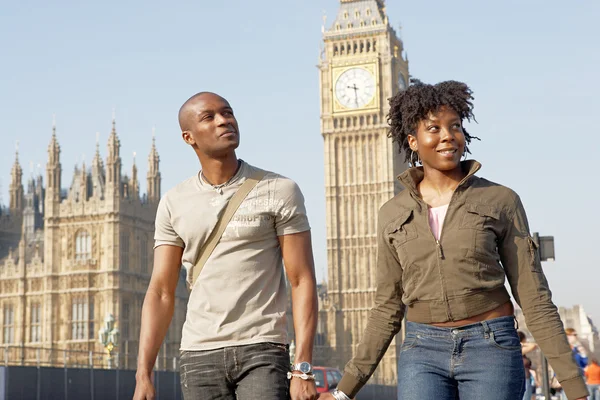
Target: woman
x,y
592,373
446,244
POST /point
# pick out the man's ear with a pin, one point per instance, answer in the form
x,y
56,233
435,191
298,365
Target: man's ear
x,y
187,137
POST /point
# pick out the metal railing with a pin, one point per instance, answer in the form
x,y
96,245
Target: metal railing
x,y
33,356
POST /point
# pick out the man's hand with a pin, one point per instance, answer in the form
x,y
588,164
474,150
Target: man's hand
x,y
144,389
302,390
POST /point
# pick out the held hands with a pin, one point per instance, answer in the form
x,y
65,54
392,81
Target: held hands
x,y
326,396
301,389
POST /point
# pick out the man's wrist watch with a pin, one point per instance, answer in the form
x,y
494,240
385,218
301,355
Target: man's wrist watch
x,y
303,367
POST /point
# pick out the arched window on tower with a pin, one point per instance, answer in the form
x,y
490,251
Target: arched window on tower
x,y
83,245
335,50
368,46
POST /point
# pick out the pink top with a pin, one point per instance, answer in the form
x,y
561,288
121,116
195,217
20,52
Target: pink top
x,y
436,219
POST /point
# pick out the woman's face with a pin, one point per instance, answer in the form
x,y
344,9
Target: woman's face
x,y
440,140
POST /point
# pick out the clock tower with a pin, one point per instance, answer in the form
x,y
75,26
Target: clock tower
x,y
361,67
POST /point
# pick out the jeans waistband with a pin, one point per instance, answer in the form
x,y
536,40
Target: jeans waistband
x,y
478,328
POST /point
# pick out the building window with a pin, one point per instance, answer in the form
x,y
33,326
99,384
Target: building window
x,y
144,255
79,316
357,14
338,27
368,11
36,328
9,322
125,321
83,246
345,15
124,251
350,25
92,328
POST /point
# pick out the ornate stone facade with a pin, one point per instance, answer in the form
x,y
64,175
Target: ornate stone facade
x,y
361,67
69,257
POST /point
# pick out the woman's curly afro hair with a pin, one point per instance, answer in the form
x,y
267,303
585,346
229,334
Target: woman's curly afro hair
x,y
414,104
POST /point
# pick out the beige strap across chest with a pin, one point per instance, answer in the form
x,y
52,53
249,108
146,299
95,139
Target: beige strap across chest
x,y
217,232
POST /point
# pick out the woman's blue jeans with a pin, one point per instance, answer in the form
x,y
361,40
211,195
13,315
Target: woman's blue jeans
x,y
472,362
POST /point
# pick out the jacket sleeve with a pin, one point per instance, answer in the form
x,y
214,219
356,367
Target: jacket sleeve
x,y
520,258
384,319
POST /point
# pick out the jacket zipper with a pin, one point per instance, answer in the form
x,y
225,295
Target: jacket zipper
x,y
440,249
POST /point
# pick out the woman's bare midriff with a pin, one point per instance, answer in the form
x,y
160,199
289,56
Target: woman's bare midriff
x,y
505,310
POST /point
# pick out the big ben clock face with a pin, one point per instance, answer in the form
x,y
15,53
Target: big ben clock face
x,y
355,88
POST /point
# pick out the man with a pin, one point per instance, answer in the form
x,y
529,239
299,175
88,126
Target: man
x,y
579,352
234,338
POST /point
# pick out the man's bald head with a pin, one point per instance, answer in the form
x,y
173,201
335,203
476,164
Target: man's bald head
x,y
188,111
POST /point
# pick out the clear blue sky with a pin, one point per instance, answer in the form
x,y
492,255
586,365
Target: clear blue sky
x,y
532,65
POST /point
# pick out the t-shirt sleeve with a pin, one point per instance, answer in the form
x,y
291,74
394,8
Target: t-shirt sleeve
x,y
164,233
290,213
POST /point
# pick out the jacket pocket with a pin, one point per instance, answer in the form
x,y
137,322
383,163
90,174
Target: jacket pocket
x,y
534,261
481,226
481,217
401,230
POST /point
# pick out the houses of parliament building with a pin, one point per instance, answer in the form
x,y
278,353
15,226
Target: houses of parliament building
x,y
70,257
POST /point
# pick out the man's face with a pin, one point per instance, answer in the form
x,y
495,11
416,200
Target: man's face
x,y
211,126
572,338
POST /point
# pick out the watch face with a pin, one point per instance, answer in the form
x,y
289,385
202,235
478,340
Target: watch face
x,y
355,88
305,367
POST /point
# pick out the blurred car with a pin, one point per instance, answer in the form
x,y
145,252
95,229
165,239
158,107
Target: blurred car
x,y
326,378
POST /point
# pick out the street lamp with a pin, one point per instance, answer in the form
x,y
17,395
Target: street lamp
x,y
545,251
109,337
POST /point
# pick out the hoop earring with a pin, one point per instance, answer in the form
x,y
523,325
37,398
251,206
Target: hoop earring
x,y
412,156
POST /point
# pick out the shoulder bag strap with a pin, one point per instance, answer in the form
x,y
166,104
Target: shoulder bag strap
x,y
217,232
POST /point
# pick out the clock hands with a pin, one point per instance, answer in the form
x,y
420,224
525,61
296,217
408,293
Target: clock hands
x,y
353,87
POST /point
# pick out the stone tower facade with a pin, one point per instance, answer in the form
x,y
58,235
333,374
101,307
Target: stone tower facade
x,y
361,67
70,257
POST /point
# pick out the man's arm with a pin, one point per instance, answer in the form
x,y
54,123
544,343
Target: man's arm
x,y
158,307
298,259
299,265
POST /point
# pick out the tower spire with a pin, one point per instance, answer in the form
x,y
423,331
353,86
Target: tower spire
x,y
153,176
16,182
53,167
113,161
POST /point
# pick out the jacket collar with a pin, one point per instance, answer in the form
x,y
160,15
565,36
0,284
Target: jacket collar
x,y
411,178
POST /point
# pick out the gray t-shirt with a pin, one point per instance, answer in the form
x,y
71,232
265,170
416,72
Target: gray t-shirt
x,y
240,296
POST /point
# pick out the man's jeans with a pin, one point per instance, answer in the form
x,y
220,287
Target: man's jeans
x,y
473,362
250,372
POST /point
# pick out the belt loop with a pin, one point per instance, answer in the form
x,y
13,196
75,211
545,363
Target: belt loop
x,y
486,329
516,323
